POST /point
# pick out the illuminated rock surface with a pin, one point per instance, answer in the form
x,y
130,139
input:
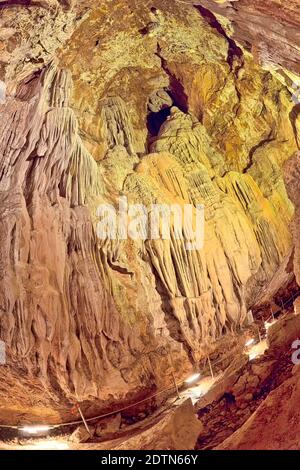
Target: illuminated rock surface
x,y
267,28
159,106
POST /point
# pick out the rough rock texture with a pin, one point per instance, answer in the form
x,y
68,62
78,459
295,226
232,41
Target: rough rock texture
x,y
81,435
133,103
269,29
283,333
31,34
275,424
292,175
177,431
242,395
107,427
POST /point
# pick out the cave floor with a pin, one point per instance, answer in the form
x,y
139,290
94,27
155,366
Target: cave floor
x,y
226,415
195,392
220,413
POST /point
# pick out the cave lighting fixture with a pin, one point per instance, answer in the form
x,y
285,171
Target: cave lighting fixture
x,y
193,378
38,429
253,356
250,342
269,324
51,444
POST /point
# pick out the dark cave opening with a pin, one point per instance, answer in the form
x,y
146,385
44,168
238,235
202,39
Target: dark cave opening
x,y
155,121
179,100
178,94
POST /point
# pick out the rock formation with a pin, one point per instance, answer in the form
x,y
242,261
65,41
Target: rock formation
x,y
292,174
177,431
275,424
266,28
155,104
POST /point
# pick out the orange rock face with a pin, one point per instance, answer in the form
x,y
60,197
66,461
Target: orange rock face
x,y
158,106
267,28
292,173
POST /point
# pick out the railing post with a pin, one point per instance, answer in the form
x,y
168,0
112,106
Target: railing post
x,y
210,367
84,421
259,335
173,374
